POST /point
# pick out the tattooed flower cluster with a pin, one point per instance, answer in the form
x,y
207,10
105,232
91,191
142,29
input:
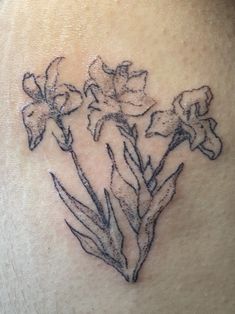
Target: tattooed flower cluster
x,y
118,94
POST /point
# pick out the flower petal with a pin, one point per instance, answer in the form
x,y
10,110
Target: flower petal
x,y
147,228
193,103
196,131
97,118
137,81
136,104
203,137
212,145
31,86
125,193
96,121
35,116
162,123
105,108
120,78
51,77
102,75
68,99
90,85
60,101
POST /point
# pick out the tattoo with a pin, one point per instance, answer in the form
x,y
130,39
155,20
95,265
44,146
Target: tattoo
x,y
118,94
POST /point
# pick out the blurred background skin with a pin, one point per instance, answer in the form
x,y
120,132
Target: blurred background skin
x,y
183,45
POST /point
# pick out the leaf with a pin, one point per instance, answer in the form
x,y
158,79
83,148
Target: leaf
x,y
147,228
135,131
91,247
148,169
112,223
149,175
144,196
84,214
125,193
125,133
164,194
133,155
115,233
133,164
87,243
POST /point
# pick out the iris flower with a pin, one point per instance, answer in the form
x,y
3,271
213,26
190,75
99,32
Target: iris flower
x,y
48,101
187,117
118,93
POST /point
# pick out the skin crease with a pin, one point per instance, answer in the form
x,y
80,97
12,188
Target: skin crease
x,y
184,45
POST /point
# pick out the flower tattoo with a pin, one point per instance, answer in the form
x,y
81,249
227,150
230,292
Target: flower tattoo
x,y
187,117
49,101
116,95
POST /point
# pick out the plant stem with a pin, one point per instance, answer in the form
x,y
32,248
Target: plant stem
x,y
140,159
87,184
81,173
177,139
159,168
135,146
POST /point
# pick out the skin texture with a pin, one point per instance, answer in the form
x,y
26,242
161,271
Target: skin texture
x,y
183,44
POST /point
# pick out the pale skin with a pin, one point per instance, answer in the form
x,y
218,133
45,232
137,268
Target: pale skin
x,y
183,45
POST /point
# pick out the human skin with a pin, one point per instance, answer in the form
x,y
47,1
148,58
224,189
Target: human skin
x,y
183,45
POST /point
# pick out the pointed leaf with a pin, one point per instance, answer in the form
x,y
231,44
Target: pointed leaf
x,y
84,214
147,229
116,236
133,164
132,153
144,196
125,193
148,169
115,231
135,131
87,243
164,194
148,175
124,132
